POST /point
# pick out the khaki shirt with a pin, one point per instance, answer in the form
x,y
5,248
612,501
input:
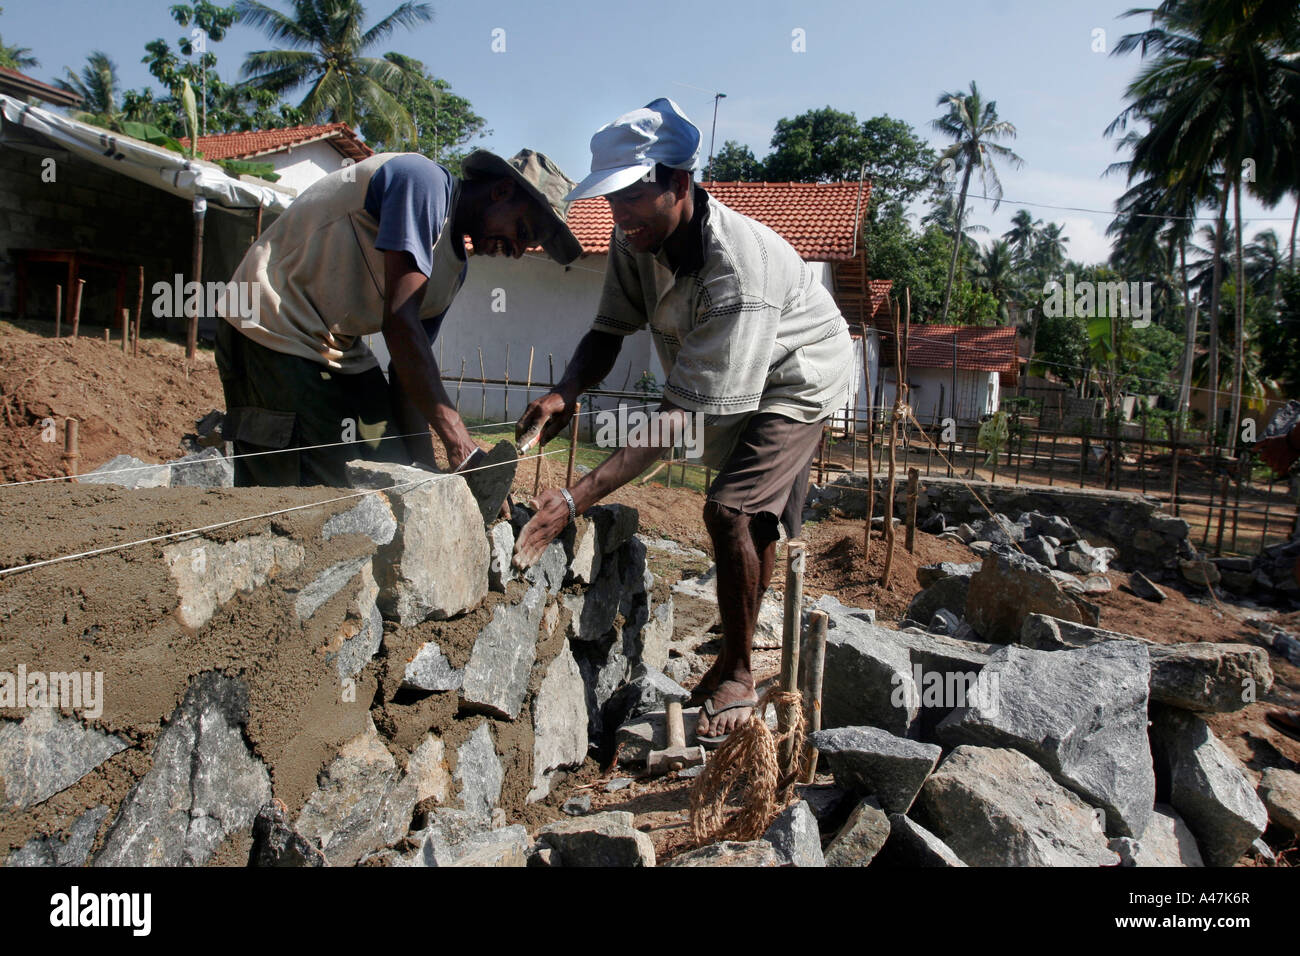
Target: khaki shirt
x,y
316,270
743,326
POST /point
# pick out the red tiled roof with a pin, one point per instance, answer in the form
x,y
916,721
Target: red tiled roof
x,y
259,142
978,348
20,84
818,219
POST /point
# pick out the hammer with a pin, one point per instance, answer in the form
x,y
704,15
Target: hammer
x,y
677,756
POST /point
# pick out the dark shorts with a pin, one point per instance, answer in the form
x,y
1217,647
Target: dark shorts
x,y
767,472
281,403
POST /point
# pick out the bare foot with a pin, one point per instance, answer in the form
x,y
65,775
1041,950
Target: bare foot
x,y
730,692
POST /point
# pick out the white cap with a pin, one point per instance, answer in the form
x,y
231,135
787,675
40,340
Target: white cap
x,y
628,148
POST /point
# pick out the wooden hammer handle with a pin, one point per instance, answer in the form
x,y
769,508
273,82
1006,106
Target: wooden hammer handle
x,y
676,730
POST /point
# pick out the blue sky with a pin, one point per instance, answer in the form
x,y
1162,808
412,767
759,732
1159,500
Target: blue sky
x,y
568,68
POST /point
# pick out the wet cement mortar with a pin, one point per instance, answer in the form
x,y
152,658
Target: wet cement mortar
x,y
116,613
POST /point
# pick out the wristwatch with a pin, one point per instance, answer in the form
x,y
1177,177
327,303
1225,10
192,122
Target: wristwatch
x,y
573,509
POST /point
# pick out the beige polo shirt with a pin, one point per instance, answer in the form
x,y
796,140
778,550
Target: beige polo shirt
x,y
743,326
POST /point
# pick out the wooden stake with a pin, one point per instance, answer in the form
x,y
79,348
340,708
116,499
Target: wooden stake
x,y
126,328
871,475
58,310
899,392
71,452
528,389
139,307
107,335
794,568
505,414
913,482
1223,514
573,443
459,383
482,377
76,308
811,668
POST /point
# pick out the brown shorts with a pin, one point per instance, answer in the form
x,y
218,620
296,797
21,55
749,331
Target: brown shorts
x,y
767,472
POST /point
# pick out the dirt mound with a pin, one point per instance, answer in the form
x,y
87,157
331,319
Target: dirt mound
x,y
142,405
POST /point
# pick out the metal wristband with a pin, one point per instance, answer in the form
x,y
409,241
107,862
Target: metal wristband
x,y
573,509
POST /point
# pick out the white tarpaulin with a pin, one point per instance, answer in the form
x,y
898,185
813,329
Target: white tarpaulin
x,y
161,168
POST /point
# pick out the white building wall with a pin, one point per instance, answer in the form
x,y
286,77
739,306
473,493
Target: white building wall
x,y
300,166
930,392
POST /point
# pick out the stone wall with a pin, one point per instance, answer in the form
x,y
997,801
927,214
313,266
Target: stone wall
x,y
334,674
1145,537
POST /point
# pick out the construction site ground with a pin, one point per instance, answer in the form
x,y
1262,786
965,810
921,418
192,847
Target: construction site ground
x,y
143,406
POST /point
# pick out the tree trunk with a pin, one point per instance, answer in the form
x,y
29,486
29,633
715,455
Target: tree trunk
x,y
1294,220
956,242
1189,338
1217,278
1239,361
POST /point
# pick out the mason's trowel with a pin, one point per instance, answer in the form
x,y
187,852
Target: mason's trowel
x,y
489,475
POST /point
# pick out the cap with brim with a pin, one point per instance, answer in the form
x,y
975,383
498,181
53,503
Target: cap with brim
x,y
629,148
544,182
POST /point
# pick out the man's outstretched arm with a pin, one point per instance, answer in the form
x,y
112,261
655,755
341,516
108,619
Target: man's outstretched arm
x,y
592,361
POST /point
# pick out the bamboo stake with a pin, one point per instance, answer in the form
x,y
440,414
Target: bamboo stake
x,y
811,669
58,309
71,451
460,383
913,481
126,328
1236,502
1223,514
528,389
794,568
573,443
76,308
505,410
871,477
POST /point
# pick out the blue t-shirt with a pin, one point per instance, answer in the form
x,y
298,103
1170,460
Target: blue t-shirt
x,y
410,196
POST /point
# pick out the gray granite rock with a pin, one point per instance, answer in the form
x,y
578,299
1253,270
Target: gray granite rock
x,y
912,845
370,516
203,785
583,539
1145,588
46,753
1008,588
616,525
454,837
945,594
1053,526
648,690
861,838
656,635
795,836
1081,714
128,472
325,585
54,850
559,723
592,611
929,575
997,807
1280,791
361,803
1207,786
550,569
636,738
276,843
834,608
479,773
600,839
1166,841
874,762
209,573
501,543
496,677
436,566
1040,551
867,682
430,671
208,468
730,853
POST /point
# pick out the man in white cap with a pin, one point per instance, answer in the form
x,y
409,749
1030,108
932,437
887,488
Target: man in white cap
x,y
749,338
377,247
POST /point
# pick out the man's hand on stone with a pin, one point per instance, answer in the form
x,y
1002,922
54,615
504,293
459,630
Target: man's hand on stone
x,y
548,523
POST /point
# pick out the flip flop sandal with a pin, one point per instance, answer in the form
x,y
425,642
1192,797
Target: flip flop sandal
x,y
1286,721
711,742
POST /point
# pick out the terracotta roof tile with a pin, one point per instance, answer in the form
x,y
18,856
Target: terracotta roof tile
x,y
818,219
258,142
978,348
15,82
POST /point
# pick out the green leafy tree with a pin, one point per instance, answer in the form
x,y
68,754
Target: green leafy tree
x,y
445,123
819,146
100,90
735,163
972,124
327,49
16,57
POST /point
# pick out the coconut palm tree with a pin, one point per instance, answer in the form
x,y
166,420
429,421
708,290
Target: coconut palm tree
x,y
943,215
1022,234
1220,91
16,57
972,123
993,270
329,54
99,89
